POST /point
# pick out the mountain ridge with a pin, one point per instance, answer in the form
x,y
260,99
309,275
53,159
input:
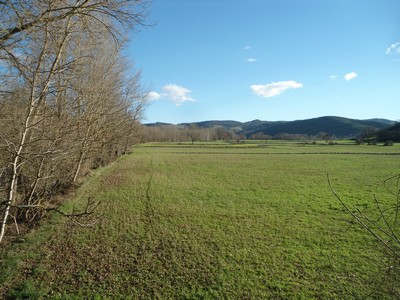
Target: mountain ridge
x,y
333,125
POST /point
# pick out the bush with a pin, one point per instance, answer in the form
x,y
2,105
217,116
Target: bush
x,y
388,143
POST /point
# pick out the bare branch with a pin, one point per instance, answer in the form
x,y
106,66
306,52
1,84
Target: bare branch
x,y
392,233
392,250
89,210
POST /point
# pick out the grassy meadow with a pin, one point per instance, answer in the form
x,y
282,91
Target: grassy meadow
x,y
214,221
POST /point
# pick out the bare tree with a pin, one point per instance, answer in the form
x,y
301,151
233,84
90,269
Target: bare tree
x,y
368,135
47,50
194,133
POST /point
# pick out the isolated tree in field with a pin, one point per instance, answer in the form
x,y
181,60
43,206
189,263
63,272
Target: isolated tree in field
x,y
368,135
47,48
324,136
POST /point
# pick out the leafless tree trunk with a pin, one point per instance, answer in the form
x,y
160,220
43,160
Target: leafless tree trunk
x,y
38,88
48,48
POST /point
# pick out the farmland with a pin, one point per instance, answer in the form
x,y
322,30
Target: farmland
x,y
214,221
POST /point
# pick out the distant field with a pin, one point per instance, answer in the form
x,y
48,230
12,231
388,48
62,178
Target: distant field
x,y
255,220
281,147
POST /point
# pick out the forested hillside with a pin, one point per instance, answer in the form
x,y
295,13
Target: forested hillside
x,y
323,127
391,133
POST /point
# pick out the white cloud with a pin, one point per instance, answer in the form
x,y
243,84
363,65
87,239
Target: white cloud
x,y
350,76
153,96
247,47
178,94
333,77
274,89
175,93
251,60
393,49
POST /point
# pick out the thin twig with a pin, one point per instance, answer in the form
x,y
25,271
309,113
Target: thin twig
x,y
16,223
361,222
393,234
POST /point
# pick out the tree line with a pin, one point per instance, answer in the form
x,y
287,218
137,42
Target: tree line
x,y
68,103
388,135
193,133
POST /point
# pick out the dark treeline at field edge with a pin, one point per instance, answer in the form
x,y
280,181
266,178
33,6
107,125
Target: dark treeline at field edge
x,y
324,128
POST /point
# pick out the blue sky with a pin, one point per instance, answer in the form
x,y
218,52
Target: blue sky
x,y
269,59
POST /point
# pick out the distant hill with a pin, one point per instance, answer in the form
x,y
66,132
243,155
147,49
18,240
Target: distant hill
x,y
158,124
211,124
338,126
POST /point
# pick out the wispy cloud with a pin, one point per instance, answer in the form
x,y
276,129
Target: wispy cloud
x,y
247,47
393,49
274,89
350,76
252,60
333,77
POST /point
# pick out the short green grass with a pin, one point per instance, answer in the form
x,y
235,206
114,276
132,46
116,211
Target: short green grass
x,y
213,221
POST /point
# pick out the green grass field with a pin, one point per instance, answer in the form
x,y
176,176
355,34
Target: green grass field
x,y
214,221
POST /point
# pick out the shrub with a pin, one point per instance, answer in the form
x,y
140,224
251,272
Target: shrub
x,y
388,143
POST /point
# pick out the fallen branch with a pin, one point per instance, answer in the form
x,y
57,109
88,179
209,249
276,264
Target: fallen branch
x,y
89,210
